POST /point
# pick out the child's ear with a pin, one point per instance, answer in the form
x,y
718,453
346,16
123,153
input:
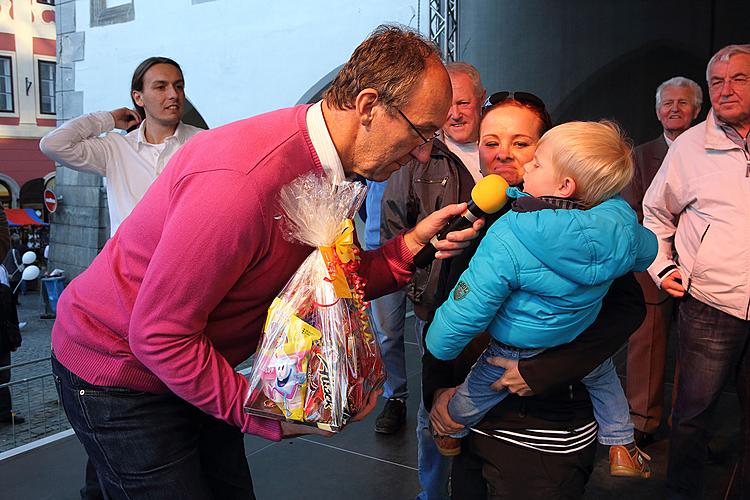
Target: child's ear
x,y
567,187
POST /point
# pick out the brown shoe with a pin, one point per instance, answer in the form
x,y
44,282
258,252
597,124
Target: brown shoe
x,y
623,464
447,446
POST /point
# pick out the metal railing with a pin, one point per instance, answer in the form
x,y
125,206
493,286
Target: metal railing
x,y
34,399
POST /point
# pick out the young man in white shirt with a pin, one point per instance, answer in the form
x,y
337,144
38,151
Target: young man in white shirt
x,y
130,162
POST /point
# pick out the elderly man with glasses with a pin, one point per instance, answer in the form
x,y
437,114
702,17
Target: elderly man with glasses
x,y
698,206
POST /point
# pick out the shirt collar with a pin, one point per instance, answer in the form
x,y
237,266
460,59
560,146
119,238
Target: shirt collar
x,y
179,133
323,144
668,140
732,133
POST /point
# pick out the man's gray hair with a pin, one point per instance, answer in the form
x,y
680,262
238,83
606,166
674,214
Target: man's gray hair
x,y
470,71
681,81
725,53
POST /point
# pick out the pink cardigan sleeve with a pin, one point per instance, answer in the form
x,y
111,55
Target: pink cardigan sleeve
x,y
387,268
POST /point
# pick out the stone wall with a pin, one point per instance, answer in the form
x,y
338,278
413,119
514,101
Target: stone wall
x,y
80,227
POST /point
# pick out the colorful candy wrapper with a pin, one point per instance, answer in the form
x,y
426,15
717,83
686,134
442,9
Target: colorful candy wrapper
x,y
318,360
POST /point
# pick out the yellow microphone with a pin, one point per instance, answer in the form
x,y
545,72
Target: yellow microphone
x,y
487,197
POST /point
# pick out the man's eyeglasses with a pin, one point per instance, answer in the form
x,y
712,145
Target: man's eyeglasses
x,y
525,98
415,129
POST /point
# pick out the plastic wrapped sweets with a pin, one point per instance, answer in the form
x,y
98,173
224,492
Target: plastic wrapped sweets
x,y
318,359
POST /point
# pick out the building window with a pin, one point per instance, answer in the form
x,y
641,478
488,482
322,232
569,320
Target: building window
x,y
46,2
6,85
105,12
46,87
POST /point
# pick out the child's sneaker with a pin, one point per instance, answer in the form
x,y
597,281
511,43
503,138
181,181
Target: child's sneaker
x,y
624,463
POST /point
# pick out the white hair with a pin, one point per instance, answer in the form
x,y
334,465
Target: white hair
x,y
681,81
470,71
724,55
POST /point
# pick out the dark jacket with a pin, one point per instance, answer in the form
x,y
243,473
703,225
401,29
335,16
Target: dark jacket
x,y
648,158
10,335
413,193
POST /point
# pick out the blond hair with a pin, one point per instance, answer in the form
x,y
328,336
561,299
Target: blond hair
x,y
596,155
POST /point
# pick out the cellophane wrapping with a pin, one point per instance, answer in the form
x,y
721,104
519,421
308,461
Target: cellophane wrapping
x,y
318,360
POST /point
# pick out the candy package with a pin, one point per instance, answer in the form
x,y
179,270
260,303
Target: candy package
x,y
318,360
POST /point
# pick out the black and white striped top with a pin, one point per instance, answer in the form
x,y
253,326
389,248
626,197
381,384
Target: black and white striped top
x,y
547,441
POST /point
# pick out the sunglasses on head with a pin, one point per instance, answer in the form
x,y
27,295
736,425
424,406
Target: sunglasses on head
x,y
525,98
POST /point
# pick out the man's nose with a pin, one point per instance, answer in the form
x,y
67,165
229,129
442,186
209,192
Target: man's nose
x,y
726,87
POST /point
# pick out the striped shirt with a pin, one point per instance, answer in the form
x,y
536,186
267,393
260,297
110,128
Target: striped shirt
x,y
545,440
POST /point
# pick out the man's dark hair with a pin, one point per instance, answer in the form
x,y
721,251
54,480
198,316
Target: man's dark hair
x,y
391,61
137,81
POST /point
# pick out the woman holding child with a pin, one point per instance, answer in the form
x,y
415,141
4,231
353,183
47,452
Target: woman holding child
x,y
540,446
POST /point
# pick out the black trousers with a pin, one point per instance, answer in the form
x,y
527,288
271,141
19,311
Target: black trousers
x,y
492,469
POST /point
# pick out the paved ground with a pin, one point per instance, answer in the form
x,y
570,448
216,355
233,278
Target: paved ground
x,y
33,390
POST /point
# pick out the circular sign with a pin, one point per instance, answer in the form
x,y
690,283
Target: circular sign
x,y
50,200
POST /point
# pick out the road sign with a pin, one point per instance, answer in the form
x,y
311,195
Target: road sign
x,y
50,201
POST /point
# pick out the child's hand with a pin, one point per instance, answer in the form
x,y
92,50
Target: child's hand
x,y
442,423
511,379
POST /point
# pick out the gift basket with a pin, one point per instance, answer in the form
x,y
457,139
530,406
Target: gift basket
x,y
318,360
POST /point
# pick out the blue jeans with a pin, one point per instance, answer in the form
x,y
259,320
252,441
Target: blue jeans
x,y
610,405
153,446
434,468
712,346
475,397
388,313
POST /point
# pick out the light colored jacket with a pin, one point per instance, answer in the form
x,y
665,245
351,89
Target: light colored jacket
x,y
538,278
699,208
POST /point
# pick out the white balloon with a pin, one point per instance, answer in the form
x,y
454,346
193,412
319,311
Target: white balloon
x,y
28,258
30,273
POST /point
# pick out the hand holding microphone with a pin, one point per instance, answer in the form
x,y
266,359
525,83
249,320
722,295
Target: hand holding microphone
x,y
487,197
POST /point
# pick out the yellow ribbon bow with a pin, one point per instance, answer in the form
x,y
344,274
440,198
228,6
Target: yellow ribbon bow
x,y
343,246
344,242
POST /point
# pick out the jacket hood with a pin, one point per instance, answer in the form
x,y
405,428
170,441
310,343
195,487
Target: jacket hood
x,y
588,247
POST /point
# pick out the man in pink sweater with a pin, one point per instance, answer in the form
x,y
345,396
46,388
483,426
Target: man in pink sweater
x,y
145,345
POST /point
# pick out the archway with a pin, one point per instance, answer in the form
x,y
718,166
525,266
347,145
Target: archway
x,y
9,191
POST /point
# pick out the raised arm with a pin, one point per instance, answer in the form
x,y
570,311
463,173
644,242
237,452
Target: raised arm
x,y
77,145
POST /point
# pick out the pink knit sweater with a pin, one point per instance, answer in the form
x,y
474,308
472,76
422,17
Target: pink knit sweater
x,y
178,296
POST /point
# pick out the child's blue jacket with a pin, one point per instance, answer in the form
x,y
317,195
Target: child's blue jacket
x,y
538,278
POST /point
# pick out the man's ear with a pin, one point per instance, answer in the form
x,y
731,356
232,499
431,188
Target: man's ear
x,y
567,187
364,104
137,97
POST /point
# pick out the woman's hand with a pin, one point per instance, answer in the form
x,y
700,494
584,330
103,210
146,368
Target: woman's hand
x,y
511,379
454,242
442,423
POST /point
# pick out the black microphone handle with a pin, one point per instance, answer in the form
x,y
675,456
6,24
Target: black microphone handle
x,y
457,223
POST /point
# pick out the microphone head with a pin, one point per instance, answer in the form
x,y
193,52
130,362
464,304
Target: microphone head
x,y
489,193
